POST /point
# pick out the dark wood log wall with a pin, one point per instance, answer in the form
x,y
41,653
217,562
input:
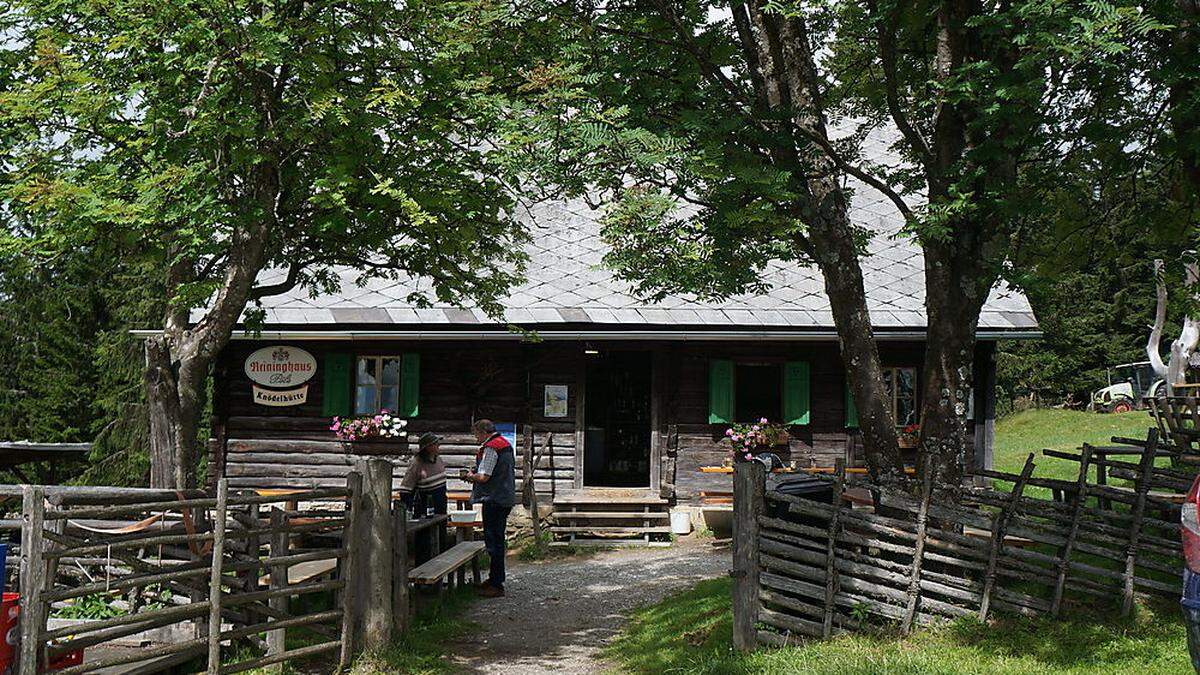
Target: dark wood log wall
x,y
260,446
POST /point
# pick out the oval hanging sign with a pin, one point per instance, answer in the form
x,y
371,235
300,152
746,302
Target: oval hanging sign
x,y
280,366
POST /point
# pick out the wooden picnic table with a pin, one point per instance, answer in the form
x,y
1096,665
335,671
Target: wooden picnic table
x,y
465,531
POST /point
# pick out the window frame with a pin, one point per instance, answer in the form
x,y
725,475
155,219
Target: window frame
x,y
778,366
378,385
895,392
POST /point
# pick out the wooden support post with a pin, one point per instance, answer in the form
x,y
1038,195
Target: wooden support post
x,y
277,639
374,568
835,522
214,579
999,527
748,486
1102,476
1064,555
253,546
400,590
914,584
33,576
1142,487
349,570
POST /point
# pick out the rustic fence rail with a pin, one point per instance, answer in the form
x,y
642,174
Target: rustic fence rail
x,y
230,568
921,557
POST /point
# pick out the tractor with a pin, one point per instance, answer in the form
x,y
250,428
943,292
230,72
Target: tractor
x,y
1129,384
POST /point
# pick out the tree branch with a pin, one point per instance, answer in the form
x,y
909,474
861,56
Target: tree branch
x,y
886,28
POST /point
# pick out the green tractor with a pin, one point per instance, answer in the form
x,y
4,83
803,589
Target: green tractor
x,y
1129,385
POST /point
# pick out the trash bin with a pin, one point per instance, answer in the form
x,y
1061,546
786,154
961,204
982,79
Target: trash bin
x,y
10,632
815,488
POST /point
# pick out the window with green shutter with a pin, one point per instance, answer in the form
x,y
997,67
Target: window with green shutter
x,y
720,391
335,392
796,398
387,383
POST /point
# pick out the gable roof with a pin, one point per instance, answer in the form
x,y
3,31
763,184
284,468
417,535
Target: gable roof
x,y
567,286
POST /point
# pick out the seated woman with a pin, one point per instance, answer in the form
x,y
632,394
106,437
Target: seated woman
x,y
425,482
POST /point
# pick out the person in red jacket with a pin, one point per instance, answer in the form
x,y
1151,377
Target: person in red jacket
x,y
494,485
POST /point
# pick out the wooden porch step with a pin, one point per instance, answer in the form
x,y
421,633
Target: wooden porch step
x,y
612,542
616,515
627,529
590,498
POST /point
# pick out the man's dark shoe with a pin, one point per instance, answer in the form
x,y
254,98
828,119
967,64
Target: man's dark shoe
x,y
491,592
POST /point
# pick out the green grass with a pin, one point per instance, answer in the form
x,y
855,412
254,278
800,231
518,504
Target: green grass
x,y
422,650
691,633
1028,431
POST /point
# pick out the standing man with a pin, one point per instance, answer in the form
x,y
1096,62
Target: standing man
x,y
493,484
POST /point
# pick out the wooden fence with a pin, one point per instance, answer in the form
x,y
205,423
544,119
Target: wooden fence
x,y
926,554
234,565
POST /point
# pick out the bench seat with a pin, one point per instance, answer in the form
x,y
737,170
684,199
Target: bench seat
x,y
440,566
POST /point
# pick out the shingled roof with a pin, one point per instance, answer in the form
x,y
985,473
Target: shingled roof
x,y
567,284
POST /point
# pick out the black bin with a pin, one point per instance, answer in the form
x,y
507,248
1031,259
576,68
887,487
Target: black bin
x,y
814,488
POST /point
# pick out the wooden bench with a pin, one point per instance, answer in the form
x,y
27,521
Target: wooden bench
x,y
447,564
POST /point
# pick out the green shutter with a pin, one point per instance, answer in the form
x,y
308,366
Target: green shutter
x,y
851,409
410,385
335,396
720,392
795,393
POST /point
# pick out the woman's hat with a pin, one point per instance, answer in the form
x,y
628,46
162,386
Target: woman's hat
x,y
427,439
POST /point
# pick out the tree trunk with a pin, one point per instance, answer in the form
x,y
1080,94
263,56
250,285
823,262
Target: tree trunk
x,y
174,408
837,257
956,287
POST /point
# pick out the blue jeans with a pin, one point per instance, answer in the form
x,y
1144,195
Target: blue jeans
x,y
495,522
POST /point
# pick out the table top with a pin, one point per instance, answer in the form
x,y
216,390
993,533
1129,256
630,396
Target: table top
x,y
476,523
417,524
815,469
458,496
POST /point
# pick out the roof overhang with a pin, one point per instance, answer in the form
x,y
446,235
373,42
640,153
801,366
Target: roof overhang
x,y
310,334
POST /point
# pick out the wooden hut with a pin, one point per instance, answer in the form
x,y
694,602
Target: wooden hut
x,y
637,395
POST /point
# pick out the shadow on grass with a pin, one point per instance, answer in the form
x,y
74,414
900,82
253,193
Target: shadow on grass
x,y
691,633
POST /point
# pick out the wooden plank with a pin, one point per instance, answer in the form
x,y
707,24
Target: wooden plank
x,y
352,543
401,606
1079,499
1139,511
614,529
277,638
831,573
439,566
592,515
374,567
997,541
214,585
33,577
748,505
914,587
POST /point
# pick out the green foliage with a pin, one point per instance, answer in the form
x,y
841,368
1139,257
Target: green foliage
x,y
422,650
691,632
89,607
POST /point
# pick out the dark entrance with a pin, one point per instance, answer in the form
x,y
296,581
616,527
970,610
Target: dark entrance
x,y
616,444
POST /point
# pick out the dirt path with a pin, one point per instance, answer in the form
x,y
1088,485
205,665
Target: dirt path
x,y
559,614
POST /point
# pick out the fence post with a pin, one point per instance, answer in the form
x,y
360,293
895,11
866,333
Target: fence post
x,y
214,579
831,573
1139,510
277,639
748,485
374,566
999,527
33,576
1064,562
400,599
349,570
914,583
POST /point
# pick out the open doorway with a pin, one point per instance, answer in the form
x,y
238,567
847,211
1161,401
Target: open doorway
x,y
617,420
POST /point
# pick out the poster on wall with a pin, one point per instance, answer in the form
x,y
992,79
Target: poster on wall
x,y
555,401
279,373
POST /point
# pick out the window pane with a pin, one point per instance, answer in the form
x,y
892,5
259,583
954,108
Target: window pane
x,y
906,396
366,370
391,371
364,400
758,392
389,398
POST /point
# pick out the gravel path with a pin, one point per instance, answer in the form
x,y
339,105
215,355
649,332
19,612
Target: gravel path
x,y
558,614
